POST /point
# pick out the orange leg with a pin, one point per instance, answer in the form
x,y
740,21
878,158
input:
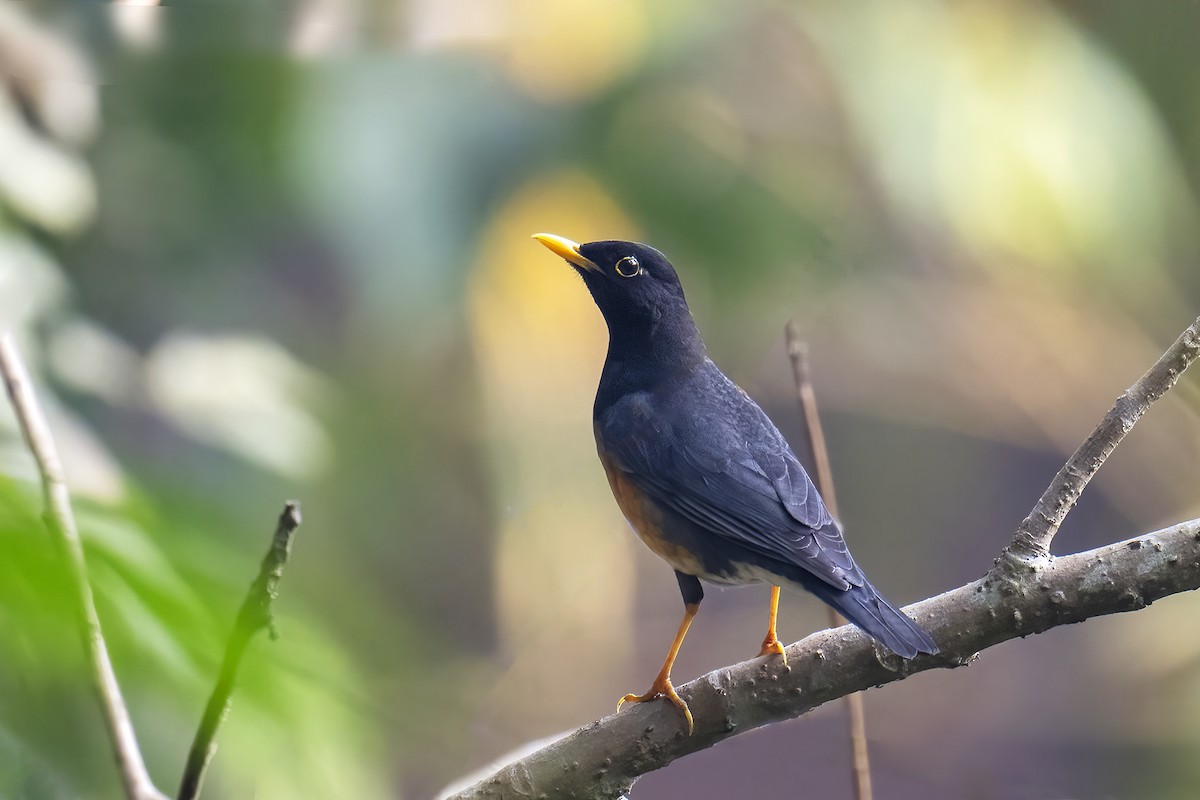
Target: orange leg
x,y
662,684
771,644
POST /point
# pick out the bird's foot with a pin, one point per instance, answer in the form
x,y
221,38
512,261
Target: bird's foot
x,y
662,688
773,647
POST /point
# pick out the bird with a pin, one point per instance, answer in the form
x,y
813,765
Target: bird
x,y
698,469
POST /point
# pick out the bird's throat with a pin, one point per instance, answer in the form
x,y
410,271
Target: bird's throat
x,y
643,358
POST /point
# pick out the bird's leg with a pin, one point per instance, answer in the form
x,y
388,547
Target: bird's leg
x,y
771,644
693,593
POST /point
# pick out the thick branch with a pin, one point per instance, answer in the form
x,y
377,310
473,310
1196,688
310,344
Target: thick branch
x,y
60,520
255,614
601,760
1033,537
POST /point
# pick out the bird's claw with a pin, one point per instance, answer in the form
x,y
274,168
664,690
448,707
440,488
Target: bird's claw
x,y
661,688
773,647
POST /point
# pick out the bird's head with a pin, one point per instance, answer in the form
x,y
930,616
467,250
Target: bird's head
x,y
633,284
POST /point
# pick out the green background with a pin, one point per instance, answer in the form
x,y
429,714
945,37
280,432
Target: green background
x,y
282,250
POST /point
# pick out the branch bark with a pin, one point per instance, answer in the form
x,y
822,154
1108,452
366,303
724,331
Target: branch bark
x,y
1027,591
1037,531
254,615
601,760
60,520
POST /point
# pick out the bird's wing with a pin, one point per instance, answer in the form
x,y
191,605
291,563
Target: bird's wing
x,y
719,461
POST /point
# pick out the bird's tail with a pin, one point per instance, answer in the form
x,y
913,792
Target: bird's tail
x,y
867,609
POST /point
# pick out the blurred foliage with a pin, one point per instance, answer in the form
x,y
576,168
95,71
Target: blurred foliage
x,y
256,251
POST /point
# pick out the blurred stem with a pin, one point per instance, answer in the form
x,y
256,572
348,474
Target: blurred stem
x,y
1036,532
801,372
254,615
60,520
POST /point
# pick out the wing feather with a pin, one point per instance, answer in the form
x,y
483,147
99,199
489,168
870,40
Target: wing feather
x,y
727,469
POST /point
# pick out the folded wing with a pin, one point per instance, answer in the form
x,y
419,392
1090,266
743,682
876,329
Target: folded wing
x,y
729,470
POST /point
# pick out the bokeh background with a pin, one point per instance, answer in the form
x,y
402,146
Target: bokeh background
x,y
270,250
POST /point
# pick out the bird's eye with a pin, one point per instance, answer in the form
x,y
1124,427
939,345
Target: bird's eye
x,y
628,266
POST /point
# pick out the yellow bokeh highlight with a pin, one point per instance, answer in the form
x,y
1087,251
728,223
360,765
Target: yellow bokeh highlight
x,y
570,48
564,556
565,50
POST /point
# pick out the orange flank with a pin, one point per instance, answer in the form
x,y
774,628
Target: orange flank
x,y
646,520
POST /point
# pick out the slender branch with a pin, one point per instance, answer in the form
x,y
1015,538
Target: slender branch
x,y
601,760
1036,532
60,520
807,396
254,615
802,374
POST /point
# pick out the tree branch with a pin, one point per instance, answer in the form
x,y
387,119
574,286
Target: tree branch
x,y
1026,592
1033,537
255,614
60,520
601,760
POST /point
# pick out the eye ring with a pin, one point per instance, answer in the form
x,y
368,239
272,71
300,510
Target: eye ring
x,y
628,267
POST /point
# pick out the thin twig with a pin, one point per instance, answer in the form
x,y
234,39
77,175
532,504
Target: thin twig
x,y
255,614
60,520
1036,532
801,372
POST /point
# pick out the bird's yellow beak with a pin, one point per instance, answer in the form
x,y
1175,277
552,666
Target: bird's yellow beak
x,y
567,249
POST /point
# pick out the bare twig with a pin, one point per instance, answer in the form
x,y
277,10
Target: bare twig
x,y
60,520
1033,537
602,759
255,614
802,373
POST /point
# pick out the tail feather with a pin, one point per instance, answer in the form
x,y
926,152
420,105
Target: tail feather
x,y
867,609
